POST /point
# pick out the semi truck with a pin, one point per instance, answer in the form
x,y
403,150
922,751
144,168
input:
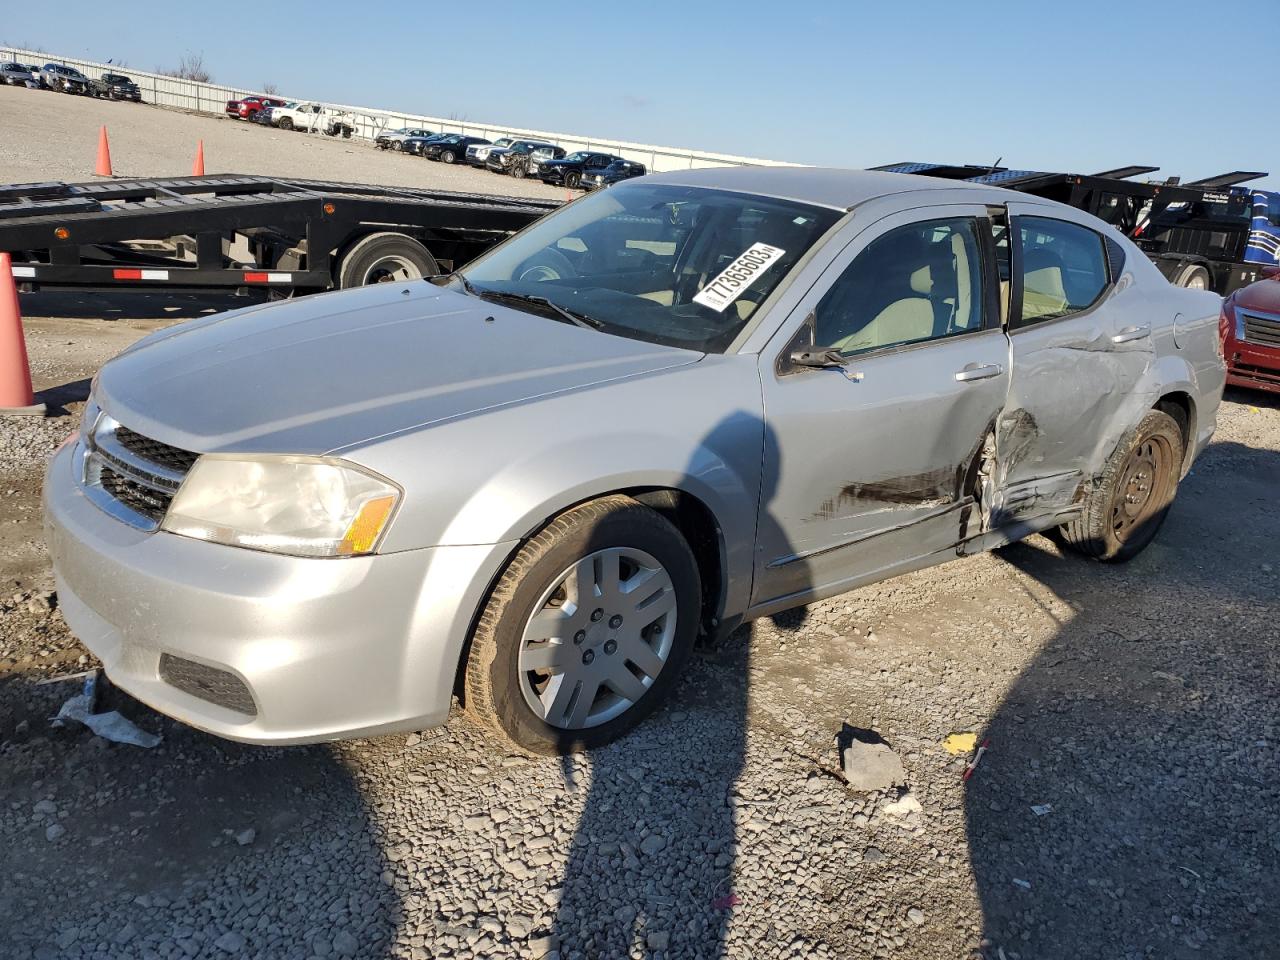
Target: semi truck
x,y
1212,234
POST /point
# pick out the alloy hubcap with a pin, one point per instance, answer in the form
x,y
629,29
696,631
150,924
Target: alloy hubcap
x,y
598,638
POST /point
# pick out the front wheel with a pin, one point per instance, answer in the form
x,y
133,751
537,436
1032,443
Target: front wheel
x,y
572,180
1129,502
286,123
447,156
587,630
518,171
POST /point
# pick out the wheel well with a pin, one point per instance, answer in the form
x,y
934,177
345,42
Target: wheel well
x,y
1180,406
698,525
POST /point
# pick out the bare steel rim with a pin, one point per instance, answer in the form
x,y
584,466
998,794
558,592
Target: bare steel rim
x,y
597,638
391,268
1145,487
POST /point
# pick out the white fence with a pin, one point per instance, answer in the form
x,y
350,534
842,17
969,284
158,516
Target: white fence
x,y
211,99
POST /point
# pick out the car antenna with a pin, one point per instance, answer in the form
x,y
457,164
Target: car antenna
x,y
995,166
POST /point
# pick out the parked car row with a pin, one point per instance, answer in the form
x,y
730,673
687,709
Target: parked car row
x,y
585,169
307,116
54,76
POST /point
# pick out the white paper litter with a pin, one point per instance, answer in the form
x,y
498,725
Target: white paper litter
x,y
110,726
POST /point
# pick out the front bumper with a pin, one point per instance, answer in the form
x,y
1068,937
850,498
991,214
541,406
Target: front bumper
x,y
326,649
1252,363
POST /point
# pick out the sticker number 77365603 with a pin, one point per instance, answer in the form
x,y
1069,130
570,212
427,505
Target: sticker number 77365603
x,y
735,278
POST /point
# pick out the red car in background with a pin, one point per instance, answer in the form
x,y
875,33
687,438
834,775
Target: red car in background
x,y
1250,328
247,108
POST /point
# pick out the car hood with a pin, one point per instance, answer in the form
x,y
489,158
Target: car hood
x,y
326,372
1263,295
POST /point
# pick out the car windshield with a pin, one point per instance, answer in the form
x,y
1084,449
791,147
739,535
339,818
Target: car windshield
x,y
681,266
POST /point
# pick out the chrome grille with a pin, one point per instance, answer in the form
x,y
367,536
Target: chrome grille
x,y
130,476
1262,328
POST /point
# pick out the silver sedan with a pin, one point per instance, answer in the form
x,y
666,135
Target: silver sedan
x,y
667,408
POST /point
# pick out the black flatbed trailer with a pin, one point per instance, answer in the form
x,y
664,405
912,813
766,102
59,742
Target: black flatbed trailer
x,y
230,231
1195,233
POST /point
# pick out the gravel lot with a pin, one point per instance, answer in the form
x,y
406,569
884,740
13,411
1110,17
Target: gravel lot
x,y
1137,703
52,136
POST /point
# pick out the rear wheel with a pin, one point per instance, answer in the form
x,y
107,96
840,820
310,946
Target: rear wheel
x,y
587,630
1126,507
385,258
1193,277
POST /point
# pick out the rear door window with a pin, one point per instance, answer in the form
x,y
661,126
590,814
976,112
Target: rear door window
x,y
1063,269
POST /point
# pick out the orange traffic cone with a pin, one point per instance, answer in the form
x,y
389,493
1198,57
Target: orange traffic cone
x,y
15,375
103,169
197,168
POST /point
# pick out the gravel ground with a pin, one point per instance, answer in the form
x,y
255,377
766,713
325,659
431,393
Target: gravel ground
x,y
53,136
1136,702
1126,807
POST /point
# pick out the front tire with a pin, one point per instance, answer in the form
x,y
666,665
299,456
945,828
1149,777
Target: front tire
x,y
286,123
1129,502
447,156
587,630
572,180
518,171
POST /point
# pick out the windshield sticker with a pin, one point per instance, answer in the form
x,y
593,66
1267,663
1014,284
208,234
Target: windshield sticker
x,y
735,278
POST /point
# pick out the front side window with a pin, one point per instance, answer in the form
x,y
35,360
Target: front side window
x,y
1063,266
681,266
916,283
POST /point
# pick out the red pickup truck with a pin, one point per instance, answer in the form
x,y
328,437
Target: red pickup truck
x,y
1250,328
247,108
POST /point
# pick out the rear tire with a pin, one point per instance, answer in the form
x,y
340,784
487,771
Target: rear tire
x,y
1128,504
385,258
1193,277
570,578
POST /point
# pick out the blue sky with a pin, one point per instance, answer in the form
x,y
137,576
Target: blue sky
x,y
1080,86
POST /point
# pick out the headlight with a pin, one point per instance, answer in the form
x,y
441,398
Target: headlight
x,y
303,506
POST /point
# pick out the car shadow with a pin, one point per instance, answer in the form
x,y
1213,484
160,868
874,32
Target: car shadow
x,y
197,847
650,869
1128,801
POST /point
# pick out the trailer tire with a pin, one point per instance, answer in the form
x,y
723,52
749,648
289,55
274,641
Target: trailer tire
x,y
384,258
1193,277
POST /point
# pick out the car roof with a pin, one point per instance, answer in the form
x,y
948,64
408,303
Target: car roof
x,y
821,186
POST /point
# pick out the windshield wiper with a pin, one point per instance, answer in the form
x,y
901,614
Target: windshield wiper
x,y
569,316
455,275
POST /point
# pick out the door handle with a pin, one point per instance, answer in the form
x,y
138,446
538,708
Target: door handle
x,y
1129,334
975,371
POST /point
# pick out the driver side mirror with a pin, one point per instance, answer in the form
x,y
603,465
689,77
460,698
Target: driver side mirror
x,y
818,357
